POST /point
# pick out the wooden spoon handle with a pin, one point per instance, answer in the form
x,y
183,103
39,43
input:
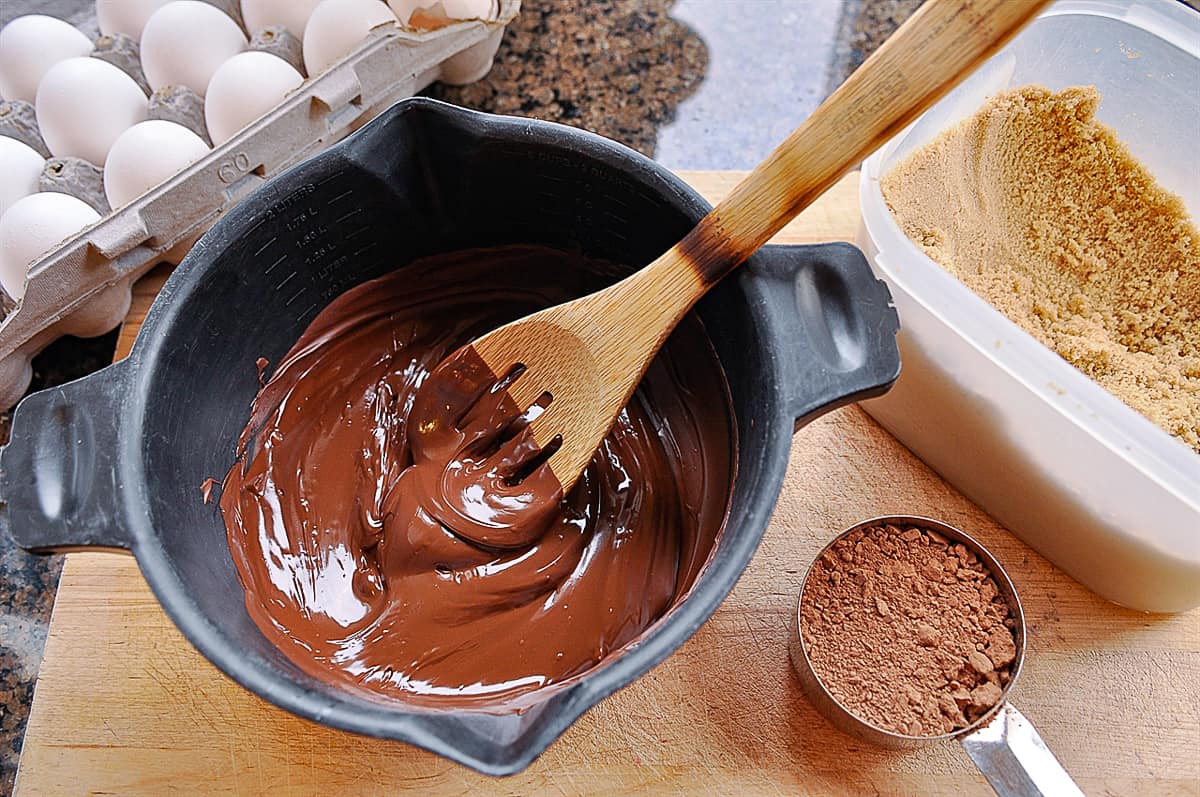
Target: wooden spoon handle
x,y
593,350
919,63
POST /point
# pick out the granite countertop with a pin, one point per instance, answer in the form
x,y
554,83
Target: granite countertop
x,y
699,84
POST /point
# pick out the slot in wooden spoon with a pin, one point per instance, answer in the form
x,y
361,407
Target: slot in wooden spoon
x,y
589,354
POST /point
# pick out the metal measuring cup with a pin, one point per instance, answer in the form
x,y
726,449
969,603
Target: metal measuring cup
x,y
1002,742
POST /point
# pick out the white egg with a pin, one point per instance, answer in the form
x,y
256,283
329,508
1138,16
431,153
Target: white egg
x,y
20,168
244,88
147,154
33,226
29,46
336,27
83,104
126,16
291,14
185,41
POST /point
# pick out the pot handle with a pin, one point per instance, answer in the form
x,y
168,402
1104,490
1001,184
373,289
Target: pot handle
x,y
834,323
60,487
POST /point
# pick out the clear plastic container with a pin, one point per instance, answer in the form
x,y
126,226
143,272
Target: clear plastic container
x,y
1087,481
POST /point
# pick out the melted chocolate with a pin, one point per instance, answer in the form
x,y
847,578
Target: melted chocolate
x,y
476,467
348,467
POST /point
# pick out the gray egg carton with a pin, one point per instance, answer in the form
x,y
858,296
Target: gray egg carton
x,y
82,287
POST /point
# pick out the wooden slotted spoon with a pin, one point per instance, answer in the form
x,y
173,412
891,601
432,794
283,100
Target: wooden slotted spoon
x,y
589,354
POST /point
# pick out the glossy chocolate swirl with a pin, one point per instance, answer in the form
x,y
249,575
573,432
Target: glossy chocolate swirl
x,y
354,580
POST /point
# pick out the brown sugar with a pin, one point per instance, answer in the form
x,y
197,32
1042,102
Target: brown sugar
x,y
1042,211
907,630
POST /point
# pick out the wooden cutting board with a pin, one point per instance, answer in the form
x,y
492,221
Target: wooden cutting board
x,y
125,705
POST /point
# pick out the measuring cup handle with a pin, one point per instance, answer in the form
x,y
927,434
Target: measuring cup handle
x,y
1014,759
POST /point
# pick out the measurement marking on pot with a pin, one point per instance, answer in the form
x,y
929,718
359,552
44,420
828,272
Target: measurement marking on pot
x,y
340,196
278,260
299,195
311,236
332,268
288,303
616,200
319,252
265,246
349,215
298,221
286,280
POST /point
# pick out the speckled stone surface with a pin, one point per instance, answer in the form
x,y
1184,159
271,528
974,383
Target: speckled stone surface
x,y
769,63
618,68
865,24
25,600
698,84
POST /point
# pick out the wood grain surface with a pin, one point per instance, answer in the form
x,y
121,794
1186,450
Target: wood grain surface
x,y
125,706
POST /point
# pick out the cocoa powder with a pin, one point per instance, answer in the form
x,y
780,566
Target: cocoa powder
x,y
907,630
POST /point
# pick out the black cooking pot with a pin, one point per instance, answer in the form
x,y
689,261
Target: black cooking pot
x,y
116,460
